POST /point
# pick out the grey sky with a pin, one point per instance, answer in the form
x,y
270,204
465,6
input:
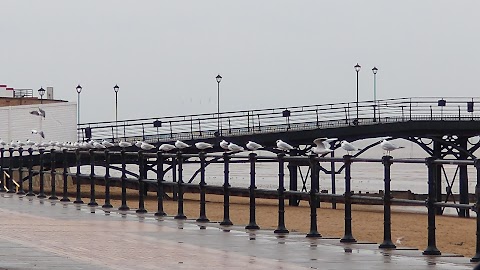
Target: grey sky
x,y
165,55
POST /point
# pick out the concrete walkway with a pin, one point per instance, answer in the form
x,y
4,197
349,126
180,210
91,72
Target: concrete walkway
x,y
40,234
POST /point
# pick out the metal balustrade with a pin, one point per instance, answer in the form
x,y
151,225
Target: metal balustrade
x,y
204,126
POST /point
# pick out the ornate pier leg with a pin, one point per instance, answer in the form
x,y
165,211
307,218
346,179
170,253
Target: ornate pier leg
x,y
10,172
226,191
252,225
53,194
348,237
41,194
180,214
78,156
20,172
313,201
142,175
2,172
432,246
30,173
281,195
124,206
92,178
387,219
65,177
160,175
293,171
107,203
476,257
203,215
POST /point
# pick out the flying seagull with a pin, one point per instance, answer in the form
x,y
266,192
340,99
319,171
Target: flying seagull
x,y
38,112
322,146
39,132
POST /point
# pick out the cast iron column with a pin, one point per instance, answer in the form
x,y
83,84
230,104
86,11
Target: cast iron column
x,y
348,237
313,200
203,186
281,195
226,191
432,246
160,180
252,225
387,219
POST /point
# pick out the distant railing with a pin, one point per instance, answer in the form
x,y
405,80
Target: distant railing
x,y
20,93
202,126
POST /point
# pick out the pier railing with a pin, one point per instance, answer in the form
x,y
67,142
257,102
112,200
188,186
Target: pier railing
x,y
21,161
204,126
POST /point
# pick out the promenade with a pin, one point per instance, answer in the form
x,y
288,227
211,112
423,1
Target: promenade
x,y
43,234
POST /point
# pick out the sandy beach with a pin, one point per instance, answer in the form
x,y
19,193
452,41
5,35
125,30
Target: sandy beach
x,y
454,235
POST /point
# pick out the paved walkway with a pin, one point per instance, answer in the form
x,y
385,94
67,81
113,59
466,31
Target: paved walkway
x,y
40,234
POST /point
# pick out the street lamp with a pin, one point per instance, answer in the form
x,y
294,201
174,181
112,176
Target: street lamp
x,y
41,92
374,70
357,69
116,88
219,79
79,90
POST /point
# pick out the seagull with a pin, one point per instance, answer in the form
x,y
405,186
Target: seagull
x,y
138,144
203,145
284,146
389,146
29,143
107,144
124,144
224,145
348,147
98,145
13,144
399,240
39,132
146,146
166,147
2,143
253,146
235,148
322,146
38,112
181,145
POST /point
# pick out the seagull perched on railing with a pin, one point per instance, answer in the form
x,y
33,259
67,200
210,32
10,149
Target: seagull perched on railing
x,y
235,148
322,146
147,146
284,146
107,144
181,145
224,145
203,145
124,144
389,146
349,147
253,146
166,147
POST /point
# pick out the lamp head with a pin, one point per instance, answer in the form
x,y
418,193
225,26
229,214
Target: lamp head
x,y
79,89
115,88
357,67
218,78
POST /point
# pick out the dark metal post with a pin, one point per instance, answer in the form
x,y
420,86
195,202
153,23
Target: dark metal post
x,y
203,215
293,172
226,191
437,153
107,203
252,225
180,214
160,180
141,185
124,206
463,180
387,219
174,179
313,200
2,172
20,172
10,172
476,257
432,246
348,237
281,195
332,176
30,173
92,178
78,199
53,194
65,177
41,194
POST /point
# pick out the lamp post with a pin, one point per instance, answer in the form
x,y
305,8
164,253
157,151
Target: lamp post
x,y
79,90
219,79
357,69
374,70
41,92
116,88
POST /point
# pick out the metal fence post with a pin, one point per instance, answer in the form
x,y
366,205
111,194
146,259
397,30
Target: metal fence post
x,y
92,178
348,237
432,246
281,195
65,177
124,206
203,215
30,173
53,193
252,225
476,257
107,203
387,218
10,172
20,172
180,214
2,172
41,194
78,156
141,187
226,191
160,180
313,200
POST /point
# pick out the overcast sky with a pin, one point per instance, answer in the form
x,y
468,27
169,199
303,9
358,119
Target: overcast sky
x,y
165,55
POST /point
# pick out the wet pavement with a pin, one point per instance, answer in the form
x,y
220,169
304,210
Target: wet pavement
x,y
41,234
